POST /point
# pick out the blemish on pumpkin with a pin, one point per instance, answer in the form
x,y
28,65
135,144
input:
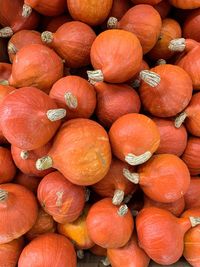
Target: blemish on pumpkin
x,y
59,198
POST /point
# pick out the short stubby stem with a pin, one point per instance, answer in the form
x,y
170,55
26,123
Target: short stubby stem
x,y
118,197
131,176
71,100
26,11
194,221
12,48
137,160
112,23
56,114
136,83
161,62
150,77
24,154
123,209
44,163
177,45
95,76
127,198
87,194
3,194
6,32
47,37
105,262
80,254
4,82
180,119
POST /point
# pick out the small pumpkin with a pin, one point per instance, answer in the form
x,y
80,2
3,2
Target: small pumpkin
x,y
164,178
4,91
110,59
81,152
191,26
101,231
29,118
186,4
192,195
76,95
30,182
72,41
60,198
131,140
16,200
163,8
8,169
48,250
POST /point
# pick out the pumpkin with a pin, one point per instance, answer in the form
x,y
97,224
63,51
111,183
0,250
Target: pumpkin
x,y
10,252
16,200
131,255
164,178
53,23
76,95
186,4
30,182
172,140
5,72
110,59
77,231
161,234
81,152
72,41
11,19
101,231
146,29
131,140
191,155
163,8
25,160
60,198
165,90
114,184
176,207
192,240
8,169
191,116
119,8
51,8
3,140
29,118
191,26
92,12
48,250
36,65
44,224
149,2
3,50
20,39
98,251
170,30
115,100
191,197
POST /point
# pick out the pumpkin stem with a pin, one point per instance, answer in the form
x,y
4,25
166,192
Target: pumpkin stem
x,y
6,32
44,163
161,61
71,100
95,76
112,23
123,209
127,198
24,154
59,195
26,11
4,82
12,49
137,160
136,83
180,119
56,114
3,194
105,261
131,176
177,45
47,37
194,221
87,194
118,197
80,254
150,77
134,212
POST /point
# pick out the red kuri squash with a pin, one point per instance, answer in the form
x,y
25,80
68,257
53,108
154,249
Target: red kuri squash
x,y
191,26
186,4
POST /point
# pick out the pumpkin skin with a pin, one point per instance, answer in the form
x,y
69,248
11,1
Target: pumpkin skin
x,y
164,178
131,255
109,54
76,95
46,252
114,180
192,195
172,140
190,27
77,231
5,71
19,127
8,169
115,100
187,4
10,252
16,200
92,12
36,65
61,199
161,235
30,182
156,98
25,160
149,2
72,41
176,207
102,232
20,39
131,138
85,145
163,8
44,224
53,23
170,30
145,22
4,91
191,155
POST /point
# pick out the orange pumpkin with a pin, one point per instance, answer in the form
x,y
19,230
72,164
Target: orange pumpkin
x,y
8,169
191,26
149,2
191,197
30,182
186,4
4,91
